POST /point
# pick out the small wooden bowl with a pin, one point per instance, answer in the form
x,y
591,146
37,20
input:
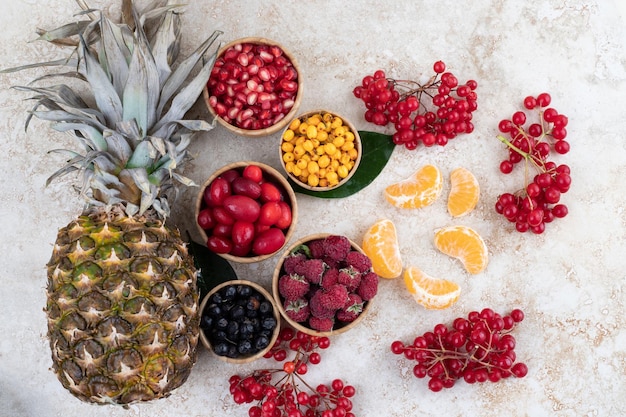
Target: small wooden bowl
x,y
357,146
244,359
277,178
342,328
252,133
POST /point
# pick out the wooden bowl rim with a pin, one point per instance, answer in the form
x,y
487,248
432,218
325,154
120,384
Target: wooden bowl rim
x,y
205,340
278,177
278,298
357,140
270,130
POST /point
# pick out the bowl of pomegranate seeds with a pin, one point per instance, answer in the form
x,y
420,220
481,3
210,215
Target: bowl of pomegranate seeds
x,y
324,284
255,87
246,212
320,150
239,321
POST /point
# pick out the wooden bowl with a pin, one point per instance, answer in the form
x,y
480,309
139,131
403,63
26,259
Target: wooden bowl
x,y
278,271
264,293
274,176
289,157
263,131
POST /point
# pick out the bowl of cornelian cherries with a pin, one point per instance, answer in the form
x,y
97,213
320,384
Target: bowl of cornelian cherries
x,y
246,211
254,88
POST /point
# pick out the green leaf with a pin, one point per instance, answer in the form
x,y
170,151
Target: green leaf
x,y
212,268
377,149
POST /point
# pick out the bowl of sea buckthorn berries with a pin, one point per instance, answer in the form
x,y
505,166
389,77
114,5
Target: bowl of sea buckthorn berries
x,y
254,88
320,150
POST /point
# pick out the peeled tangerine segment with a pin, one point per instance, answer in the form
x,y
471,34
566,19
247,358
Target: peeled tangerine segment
x,y
432,293
464,192
380,244
465,244
419,190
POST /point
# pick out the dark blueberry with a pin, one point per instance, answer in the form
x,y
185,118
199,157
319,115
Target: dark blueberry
x,y
219,335
265,307
256,324
229,292
268,323
232,351
220,349
237,313
232,330
244,347
266,333
222,323
216,298
246,330
261,342
244,291
227,306
253,302
213,310
206,322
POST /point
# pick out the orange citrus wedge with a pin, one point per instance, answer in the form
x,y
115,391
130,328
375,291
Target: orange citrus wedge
x,y
419,190
380,244
464,192
431,293
465,244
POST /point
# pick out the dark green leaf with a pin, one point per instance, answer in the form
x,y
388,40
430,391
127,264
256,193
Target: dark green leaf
x,y
212,268
377,149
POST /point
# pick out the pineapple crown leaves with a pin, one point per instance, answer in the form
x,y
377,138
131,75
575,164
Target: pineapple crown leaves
x,y
135,138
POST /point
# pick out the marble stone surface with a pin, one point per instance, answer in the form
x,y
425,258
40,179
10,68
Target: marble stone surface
x,y
570,280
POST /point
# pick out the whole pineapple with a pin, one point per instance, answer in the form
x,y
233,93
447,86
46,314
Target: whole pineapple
x,y
122,301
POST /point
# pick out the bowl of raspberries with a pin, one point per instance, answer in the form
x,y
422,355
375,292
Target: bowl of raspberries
x,y
324,284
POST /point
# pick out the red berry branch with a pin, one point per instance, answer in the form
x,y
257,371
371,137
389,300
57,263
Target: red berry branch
x,y
478,348
430,113
538,202
284,391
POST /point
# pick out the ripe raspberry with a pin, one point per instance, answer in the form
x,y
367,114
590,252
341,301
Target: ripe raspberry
x,y
352,309
368,286
350,278
312,270
316,249
359,261
329,278
334,297
320,324
290,262
293,286
297,310
336,247
317,310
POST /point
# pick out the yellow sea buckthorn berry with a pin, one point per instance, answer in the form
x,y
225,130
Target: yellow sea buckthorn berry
x,y
321,173
306,157
347,146
353,153
345,159
339,131
336,123
298,151
334,164
338,141
308,145
304,174
288,157
288,135
314,119
289,166
327,117
319,150
330,148
287,147
302,163
313,180
316,142
311,132
295,123
349,136
303,128
324,161
323,182
296,171
313,167
343,171
331,175
322,135
337,155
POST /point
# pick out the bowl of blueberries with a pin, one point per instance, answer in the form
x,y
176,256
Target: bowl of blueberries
x,y
239,321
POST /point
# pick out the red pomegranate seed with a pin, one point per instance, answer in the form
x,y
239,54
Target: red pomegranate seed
x,y
276,51
243,59
232,112
252,98
266,56
253,69
264,74
287,85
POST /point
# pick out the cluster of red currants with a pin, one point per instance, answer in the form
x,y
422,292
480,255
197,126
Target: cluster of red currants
x,y
539,202
478,348
430,113
283,391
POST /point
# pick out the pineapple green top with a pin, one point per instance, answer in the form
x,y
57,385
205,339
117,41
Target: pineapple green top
x,y
130,120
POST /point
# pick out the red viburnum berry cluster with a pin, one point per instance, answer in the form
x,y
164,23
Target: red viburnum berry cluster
x,y
283,391
430,113
325,283
478,348
538,202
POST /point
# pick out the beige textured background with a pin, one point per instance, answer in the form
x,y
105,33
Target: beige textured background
x,y
570,281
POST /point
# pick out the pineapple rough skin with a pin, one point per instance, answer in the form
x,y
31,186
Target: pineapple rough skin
x,y
122,308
